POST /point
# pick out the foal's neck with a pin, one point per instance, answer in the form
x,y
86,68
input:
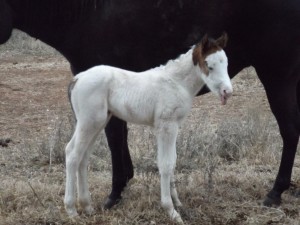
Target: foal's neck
x,y
184,72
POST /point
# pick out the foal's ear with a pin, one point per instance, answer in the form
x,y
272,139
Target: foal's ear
x,y
199,53
199,49
205,44
222,41
204,40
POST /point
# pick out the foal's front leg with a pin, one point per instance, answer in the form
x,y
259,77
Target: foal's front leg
x,y
166,142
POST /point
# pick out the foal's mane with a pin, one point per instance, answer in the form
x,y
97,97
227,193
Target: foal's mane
x,y
180,61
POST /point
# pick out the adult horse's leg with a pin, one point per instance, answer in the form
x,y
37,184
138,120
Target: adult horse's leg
x,y
297,194
122,169
282,96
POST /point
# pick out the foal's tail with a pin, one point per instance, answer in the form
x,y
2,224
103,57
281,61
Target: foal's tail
x,y
70,88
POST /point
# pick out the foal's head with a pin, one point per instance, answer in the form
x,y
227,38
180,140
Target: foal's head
x,y
212,61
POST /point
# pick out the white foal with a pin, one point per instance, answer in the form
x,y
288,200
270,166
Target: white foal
x,y
160,97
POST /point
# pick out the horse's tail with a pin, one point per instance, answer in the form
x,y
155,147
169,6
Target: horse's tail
x,y
70,88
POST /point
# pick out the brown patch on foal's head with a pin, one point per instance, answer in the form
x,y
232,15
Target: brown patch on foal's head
x,y
206,47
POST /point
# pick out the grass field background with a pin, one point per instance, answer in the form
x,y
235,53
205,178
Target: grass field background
x,y
228,156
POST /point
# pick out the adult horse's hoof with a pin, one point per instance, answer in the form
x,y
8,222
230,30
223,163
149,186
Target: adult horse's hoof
x,y
272,201
109,203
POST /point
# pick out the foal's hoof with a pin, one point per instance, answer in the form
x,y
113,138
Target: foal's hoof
x,y
89,211
175,216
178,220
109,203
272,202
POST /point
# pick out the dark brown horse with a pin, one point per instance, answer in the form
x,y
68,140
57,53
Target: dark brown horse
x,y
137,35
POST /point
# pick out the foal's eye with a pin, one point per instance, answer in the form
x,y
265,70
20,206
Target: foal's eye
x,y
209,67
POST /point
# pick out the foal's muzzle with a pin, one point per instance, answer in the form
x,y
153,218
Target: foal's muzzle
x,y
225,93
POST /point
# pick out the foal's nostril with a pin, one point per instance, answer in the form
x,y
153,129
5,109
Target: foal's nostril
x,y
226,92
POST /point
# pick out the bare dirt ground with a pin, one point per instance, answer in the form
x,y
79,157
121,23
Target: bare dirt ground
x,y
34,111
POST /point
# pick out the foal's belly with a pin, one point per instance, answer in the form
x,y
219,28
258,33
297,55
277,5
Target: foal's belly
x,y
137,109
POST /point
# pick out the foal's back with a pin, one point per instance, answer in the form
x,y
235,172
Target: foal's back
x,y
134,97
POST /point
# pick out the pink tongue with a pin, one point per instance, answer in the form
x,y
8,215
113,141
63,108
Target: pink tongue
x,y
223,100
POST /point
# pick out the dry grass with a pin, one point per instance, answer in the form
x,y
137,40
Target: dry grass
x,y
22,42
227,156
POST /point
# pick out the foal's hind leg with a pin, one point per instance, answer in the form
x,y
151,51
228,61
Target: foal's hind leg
x,y
166,142
75,151
69,199
77,160
84,197
174,193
